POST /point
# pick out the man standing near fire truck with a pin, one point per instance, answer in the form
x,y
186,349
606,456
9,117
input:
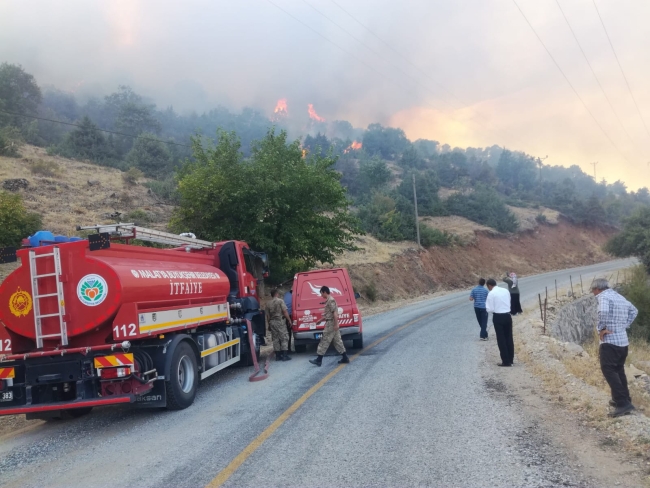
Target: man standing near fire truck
x,y
275,310
331,332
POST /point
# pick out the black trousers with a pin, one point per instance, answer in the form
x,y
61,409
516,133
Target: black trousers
x,y
612,364
515,304
503,330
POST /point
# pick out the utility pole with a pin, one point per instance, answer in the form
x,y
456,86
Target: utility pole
x,y
540,164
417,221
594,165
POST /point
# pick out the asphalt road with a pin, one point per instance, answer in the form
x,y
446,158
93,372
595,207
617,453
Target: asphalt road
x,y
414,409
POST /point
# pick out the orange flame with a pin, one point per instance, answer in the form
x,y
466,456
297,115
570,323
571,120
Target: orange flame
x,y
281,107
304,153
313,115
353,147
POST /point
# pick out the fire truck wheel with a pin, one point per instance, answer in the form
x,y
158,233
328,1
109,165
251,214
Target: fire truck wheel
x,y
249,357
183,378
358,343
300,347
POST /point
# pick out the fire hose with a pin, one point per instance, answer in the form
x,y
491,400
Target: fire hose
x,y
251,342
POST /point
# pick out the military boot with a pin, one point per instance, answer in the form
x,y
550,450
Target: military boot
x,y
344,358
285,356
318,361
278,355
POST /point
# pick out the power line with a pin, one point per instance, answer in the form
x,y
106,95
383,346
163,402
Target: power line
x,y
621,68
569,82
333,43
399,54
592,71
349,53
463,102
97,128
366,46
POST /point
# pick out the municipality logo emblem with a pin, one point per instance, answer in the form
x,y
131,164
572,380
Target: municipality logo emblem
x,y
92,290
20,303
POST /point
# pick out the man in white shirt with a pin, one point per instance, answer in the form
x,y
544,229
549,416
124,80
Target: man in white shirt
x,y
498,303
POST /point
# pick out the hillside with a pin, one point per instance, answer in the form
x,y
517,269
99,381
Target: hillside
x,y
68,193
74,193
400,271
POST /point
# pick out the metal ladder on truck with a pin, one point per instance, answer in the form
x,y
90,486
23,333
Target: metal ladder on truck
x,y
132,231
55,255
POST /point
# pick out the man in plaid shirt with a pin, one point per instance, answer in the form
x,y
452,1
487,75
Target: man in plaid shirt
x,y
615,314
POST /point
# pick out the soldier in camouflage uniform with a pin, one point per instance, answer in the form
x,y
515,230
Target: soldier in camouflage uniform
x,y
331,334
275,310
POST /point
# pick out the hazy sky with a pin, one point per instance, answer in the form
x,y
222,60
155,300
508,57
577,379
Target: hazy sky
x,y
463,72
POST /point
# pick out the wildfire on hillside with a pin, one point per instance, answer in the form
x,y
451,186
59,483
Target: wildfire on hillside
x,y
353,147
281,107
304,153
313,115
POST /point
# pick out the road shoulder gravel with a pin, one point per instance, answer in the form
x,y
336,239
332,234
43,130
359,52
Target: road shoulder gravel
x,y
568,428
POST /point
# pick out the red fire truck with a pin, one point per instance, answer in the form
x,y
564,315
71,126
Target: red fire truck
x,y
95,322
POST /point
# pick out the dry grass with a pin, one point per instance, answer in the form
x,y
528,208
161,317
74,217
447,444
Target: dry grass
x,y
68,193
464,228
372,251
527,216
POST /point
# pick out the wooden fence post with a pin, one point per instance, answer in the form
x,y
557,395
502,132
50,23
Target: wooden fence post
x,y
541,314
571,281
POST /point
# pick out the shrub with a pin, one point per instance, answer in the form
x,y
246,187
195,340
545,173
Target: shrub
x,y
10,141
430,237
45,168
16,222
139,217
541,218
370,291
132,176
637,290
166,190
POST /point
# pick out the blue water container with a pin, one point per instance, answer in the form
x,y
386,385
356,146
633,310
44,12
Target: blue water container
x,y
38,237
61,239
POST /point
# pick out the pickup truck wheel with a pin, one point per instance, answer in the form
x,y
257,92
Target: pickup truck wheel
x,y
358,343
183,378
300,347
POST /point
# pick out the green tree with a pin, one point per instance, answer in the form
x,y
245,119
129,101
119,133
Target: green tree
x,y
86,142
292,207
16,222
150,155
634,239
19,94
426,185
485,207
374,174
385,142
411,159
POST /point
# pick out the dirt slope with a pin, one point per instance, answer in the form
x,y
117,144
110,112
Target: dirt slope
x,y
548,247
